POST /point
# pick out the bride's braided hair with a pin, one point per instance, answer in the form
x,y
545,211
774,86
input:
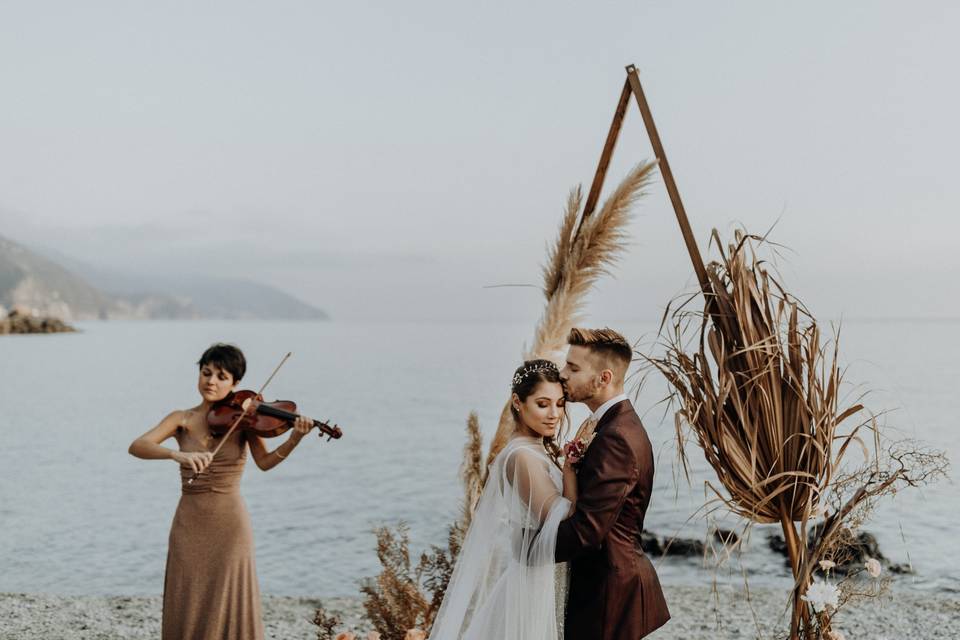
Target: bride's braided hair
x,y
525,380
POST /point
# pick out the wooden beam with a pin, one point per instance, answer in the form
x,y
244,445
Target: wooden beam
x,y
633,80
605,156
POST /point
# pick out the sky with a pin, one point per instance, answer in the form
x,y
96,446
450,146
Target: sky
x,y
387,160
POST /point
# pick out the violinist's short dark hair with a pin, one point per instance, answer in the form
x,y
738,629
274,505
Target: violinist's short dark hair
x,y
227,357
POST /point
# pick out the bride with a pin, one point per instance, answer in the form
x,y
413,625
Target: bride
x,y
505,584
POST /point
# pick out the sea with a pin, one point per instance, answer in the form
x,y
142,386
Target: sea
x,y
79,515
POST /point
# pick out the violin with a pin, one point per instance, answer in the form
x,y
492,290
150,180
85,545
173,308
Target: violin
x,y
265,419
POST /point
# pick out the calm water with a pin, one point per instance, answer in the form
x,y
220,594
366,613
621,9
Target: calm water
x,y
79,515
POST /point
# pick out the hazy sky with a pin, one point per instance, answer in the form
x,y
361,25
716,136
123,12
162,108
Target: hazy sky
x,y
389,159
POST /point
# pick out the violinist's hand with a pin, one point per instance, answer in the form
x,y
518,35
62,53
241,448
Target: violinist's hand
x,y
301,427
198,461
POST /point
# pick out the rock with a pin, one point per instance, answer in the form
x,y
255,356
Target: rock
x,y
726,536
684,547
650,543
901,569
850,554
866,546
777,544
654,545
21,320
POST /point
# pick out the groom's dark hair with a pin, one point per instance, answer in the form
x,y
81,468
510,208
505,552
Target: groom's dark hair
x,y
606,343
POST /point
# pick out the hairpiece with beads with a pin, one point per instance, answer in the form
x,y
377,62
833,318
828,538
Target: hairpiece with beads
x,y
521,375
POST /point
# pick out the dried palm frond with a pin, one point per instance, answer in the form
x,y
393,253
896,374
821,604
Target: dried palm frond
x,y
581,254
761,395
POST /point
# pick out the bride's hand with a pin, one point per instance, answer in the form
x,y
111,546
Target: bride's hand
x,y
569,461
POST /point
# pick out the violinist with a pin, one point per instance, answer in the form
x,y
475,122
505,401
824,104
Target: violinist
x,y
210,589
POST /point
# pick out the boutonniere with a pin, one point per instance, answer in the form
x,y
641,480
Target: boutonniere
x,y
577,448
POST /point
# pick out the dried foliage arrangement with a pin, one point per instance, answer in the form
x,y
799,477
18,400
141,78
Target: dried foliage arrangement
x,y
403,596
473,472
853,496
587,246
402,601
326,623
761,396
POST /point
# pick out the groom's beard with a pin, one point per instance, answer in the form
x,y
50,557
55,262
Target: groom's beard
x,y
576,395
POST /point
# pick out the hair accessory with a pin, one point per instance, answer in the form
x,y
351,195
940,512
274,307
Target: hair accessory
x,y
519,376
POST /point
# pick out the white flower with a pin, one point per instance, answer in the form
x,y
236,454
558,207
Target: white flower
x,y
826,565
835,635
872,565
821,595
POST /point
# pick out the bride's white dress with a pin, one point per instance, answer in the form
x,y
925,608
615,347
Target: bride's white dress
x,y
506,585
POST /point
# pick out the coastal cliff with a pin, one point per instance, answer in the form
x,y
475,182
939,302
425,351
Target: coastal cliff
x,y
39,287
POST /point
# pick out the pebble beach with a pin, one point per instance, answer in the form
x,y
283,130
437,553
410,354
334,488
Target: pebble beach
x,y
697,612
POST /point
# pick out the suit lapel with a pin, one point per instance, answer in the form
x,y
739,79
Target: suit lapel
x,y
611,414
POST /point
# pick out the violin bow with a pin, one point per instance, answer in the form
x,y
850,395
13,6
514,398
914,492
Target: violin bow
x,y
243,414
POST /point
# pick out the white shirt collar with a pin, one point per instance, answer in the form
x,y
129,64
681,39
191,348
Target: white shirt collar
x,y
602,409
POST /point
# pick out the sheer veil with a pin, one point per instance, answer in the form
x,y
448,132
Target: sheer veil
x,y
506,584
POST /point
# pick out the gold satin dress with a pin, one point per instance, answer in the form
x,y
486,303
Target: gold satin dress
x,y
210,591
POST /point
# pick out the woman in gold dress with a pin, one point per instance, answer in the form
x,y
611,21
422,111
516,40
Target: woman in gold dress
x,y
210,590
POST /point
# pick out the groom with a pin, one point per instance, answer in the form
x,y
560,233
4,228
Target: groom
x,y
614,590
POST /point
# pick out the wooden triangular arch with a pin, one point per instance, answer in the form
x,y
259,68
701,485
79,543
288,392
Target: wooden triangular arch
x,y
632,86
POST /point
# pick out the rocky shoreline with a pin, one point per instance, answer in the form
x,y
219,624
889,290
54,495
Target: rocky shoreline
x,y
18,321
698,612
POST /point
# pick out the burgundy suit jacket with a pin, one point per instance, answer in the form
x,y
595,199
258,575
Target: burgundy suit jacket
x,y
614,590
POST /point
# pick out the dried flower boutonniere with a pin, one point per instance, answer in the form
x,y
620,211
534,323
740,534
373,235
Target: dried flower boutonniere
x,y
577,448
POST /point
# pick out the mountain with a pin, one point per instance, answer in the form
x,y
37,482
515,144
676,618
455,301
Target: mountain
x,y
65,288
227,298
35,282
